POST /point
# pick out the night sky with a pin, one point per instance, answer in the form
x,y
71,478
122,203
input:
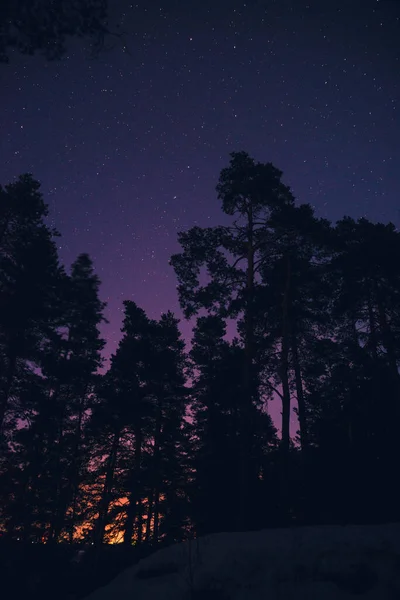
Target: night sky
x,y
129,146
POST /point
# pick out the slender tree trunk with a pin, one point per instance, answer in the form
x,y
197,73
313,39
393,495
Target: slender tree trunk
x,y
304,441
284,366
149,517
134,493
300,396
285,437
245,467
5,227
59,508
284,374
392,410
75,470
387,337
156,472
5,392
107,489
28,506
373,338
156,516
139,522
30,477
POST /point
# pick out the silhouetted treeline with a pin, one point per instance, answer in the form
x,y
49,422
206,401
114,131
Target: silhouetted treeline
x,y
172,442
45,27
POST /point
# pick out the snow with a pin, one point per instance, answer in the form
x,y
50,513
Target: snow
x,y
310,563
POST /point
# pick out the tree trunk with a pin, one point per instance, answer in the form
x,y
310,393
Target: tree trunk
x,y
107,489
284,374
27,516
392,401
75,470
134,493
373,338
5,392
300,395
139,522
387,336
156,516
156,480
149,517
284,365
245,426
7,219
59,508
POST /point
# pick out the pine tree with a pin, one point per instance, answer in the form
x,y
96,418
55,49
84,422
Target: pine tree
x,y
357,385
249,192
216,425
31,26
70,362
107,437
24,477
29,283
216,429
169,461
142,409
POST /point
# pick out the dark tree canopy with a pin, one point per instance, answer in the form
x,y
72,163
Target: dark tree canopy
x,y
44,26
170,443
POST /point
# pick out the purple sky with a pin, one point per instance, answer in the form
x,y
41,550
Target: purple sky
x,y
128,147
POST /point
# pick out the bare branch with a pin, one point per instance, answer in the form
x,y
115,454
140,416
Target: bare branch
x,y
237,261
273,388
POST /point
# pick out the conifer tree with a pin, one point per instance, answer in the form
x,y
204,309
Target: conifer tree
x,y
29,285
31,26
232,256
71,359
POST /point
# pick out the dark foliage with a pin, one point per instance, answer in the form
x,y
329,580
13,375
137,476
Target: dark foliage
x,y
167,443
44,26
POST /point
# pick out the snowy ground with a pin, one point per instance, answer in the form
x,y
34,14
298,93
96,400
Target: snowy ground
x,y
311,563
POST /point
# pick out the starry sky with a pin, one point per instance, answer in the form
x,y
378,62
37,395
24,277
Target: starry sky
x,y
129,146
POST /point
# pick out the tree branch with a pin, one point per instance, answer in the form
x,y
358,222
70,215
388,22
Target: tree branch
x,y
273,388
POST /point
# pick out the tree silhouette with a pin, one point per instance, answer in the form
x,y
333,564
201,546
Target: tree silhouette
x,y
217,426
70,361
44,26
358,372
167,442
249,192
141,410
30,276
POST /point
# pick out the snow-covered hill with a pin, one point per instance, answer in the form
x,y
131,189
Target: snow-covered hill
x,y
311,563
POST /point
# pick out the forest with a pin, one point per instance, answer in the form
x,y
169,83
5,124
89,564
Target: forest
x,y
172,442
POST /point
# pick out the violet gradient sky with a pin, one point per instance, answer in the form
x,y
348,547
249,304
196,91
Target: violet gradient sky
x,y
129,146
